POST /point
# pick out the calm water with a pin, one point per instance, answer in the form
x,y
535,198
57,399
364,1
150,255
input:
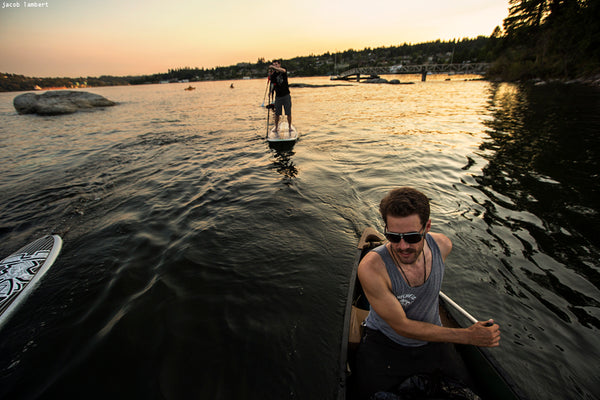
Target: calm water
x,y
198,263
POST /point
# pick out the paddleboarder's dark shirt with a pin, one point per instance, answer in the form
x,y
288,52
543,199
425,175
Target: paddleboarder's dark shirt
x,y
280,81
420,303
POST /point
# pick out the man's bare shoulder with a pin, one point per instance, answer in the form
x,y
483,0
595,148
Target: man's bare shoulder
x,y
371,264
370,259
443,242
373,275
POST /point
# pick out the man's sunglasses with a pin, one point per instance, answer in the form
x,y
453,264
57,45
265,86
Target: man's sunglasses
x,y
410,237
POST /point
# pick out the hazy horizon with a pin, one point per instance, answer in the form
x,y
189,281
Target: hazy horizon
x,y
66,38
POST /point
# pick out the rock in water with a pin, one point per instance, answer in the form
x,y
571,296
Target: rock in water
x,y
59,102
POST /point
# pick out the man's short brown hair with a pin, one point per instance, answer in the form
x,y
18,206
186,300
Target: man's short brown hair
x,y
404,202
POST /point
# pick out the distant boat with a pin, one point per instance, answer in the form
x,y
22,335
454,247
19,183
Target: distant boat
x,y
190,88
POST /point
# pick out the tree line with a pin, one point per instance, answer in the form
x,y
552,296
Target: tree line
x,y
547,39
471,50
539,39
14,82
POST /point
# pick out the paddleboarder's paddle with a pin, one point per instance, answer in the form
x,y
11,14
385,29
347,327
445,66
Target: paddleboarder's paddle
x,y
265,96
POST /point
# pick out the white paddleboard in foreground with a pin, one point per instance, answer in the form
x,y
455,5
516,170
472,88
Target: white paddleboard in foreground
x,y
21,271
283,134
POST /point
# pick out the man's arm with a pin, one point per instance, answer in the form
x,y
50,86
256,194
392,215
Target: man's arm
x,y
280,69
443,242
377,286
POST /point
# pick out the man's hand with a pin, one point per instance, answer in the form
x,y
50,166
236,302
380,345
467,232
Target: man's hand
x,y
484,334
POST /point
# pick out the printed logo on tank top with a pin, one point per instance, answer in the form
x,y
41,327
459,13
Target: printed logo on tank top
x,y
279,79
406,299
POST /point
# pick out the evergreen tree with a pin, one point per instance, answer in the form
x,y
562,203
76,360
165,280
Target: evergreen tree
x,y
549,39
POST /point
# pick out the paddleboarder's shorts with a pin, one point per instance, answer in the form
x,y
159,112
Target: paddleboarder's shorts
x,y
382,364
283,102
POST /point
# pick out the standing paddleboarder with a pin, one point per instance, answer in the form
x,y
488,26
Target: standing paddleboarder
x,y
283,99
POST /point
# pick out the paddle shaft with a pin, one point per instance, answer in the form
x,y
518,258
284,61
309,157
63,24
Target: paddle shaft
x,y
268,114
265,96
459,308
269,111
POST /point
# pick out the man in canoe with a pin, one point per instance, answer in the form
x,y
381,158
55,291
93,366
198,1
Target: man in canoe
x,y
402,279
283,99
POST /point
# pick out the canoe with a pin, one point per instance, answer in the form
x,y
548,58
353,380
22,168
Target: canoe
x,y
491,380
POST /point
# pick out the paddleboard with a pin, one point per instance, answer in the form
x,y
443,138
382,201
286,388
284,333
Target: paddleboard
x,y
283,135
21,271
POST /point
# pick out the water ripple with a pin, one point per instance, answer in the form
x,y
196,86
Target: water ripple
x,y
199,263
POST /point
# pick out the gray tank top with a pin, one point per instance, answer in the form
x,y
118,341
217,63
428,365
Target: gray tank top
x,y
419,303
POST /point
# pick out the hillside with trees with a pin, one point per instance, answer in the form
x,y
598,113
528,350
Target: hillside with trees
x,y
464,50
548,39
14,82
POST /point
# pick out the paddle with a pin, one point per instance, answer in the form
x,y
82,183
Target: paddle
x,y
268,113
460,309
269,107
265,96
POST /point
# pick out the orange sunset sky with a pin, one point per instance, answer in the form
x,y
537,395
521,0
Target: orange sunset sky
x,y
75,38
